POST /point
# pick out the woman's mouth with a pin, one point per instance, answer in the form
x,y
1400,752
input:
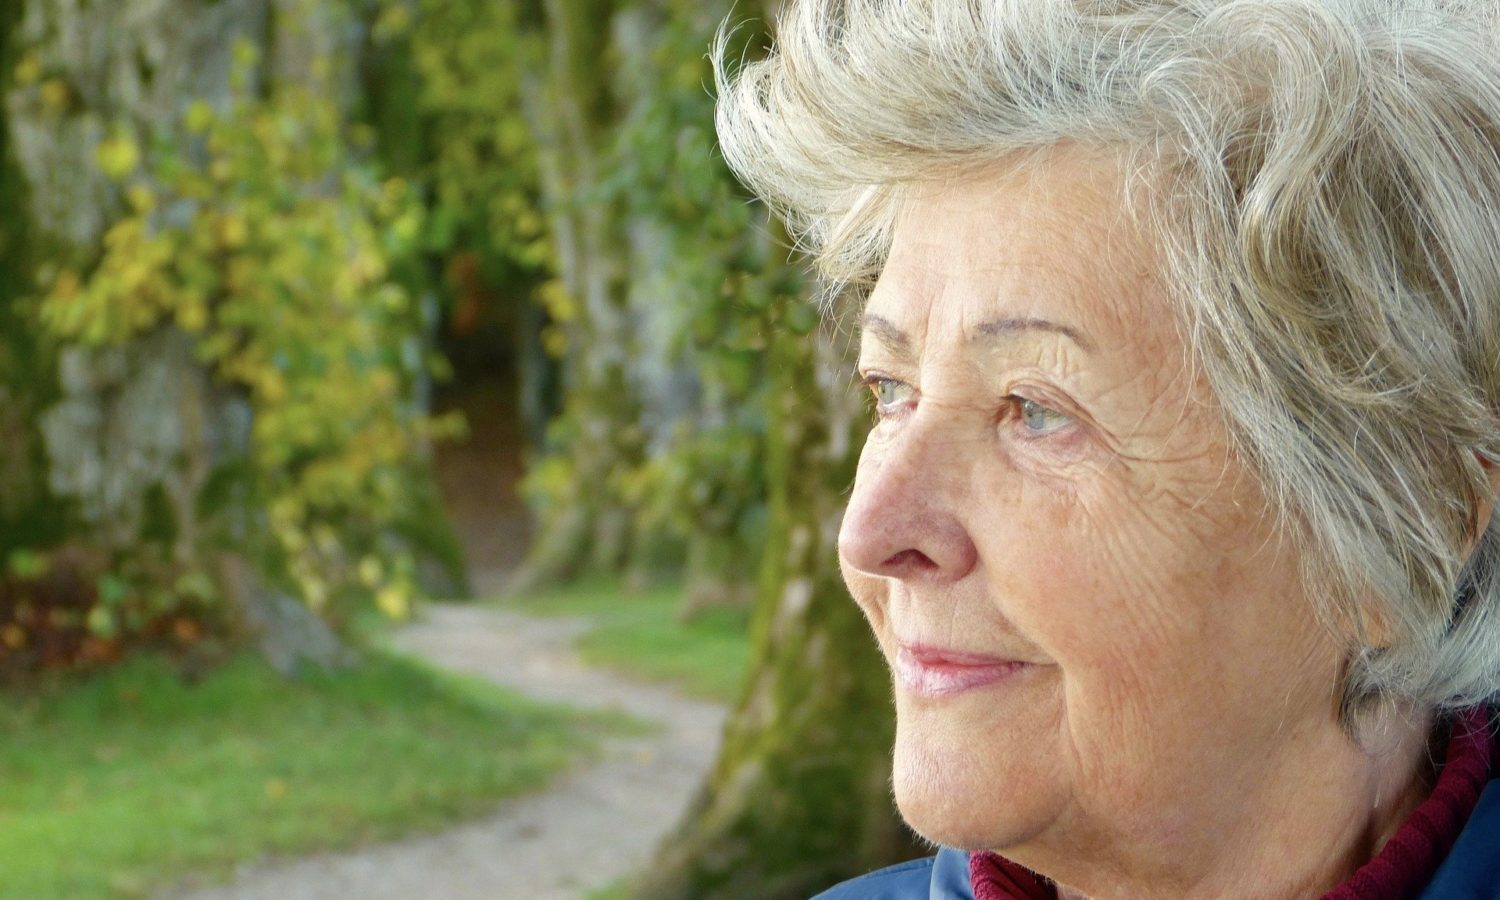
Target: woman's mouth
x,y
935,672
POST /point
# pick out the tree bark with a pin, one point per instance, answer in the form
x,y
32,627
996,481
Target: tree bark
x,y
131,422
28,514
119,422
799,797
572,111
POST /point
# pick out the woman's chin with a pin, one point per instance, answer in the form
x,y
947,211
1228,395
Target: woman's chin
x,y
954,796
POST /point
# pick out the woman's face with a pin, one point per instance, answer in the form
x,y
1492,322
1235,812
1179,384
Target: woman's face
x,y
1096,636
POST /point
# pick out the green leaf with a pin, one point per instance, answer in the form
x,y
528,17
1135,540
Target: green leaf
x,y
112,590
102,622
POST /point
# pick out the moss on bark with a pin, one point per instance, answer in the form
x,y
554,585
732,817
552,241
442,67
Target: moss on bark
x,y
585,526
29,516
799,797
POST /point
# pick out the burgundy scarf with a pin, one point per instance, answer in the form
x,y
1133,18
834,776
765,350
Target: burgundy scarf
x,y
1400,871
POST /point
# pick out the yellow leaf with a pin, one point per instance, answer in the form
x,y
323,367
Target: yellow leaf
x,y
192,315
55,95
117,156
369,571
554,341
272,387
28,70
383,384
66,286
408,227
315,591
393,601
286,510
141,199
123,233
233,231
528,224
13,636
557,301
276,788
393,22
246,54
200,116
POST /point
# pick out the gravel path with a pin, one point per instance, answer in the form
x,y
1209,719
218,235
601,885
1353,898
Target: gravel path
x,y
590,828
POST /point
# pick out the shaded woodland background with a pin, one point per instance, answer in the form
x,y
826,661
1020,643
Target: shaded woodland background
x,y
253,253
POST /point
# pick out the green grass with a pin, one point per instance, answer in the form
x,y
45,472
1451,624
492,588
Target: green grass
x,y
117,785
638,634
618,890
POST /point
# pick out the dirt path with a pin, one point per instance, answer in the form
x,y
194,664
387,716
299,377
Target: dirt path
x,y
478,479
590,828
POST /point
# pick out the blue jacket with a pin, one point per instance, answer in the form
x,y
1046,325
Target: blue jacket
x,y
1471,871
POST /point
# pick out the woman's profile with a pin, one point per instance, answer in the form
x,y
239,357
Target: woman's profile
x,y
1181,325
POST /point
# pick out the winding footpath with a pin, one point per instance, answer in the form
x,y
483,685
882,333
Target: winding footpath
x,y
587,829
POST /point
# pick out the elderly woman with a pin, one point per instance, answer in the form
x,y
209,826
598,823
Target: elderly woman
x,y
1182,324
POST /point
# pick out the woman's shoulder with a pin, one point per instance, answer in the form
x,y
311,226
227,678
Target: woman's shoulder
x,y
941,877
1472,869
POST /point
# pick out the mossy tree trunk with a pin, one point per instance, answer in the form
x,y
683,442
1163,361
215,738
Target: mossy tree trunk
x,y
799,798
572,110
28,514
116,442
133,431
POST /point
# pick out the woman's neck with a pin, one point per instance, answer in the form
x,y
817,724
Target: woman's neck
x,y
1298,828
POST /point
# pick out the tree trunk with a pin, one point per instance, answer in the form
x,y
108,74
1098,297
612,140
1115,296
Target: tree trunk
x,y
28,514
121,422
799,798
143,420
714,577
571,109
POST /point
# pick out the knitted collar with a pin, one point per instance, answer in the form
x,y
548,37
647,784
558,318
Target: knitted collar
x,y
1401,869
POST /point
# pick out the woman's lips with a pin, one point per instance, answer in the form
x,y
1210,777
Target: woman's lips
x,y
934,672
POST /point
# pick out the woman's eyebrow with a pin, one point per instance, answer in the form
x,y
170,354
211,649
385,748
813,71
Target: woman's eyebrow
x,y
1013,325
898,343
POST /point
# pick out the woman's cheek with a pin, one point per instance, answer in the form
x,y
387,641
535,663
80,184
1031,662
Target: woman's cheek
x,y
871,595
1093,584
1059,473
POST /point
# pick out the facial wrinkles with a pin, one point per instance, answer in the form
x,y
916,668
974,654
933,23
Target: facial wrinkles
x,y
962,384
1135,406
1141,573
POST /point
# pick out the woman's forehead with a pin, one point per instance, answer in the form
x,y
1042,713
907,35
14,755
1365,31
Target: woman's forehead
x,y
1046,244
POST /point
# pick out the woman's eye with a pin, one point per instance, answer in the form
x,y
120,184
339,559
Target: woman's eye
x,y
889,394
1039,419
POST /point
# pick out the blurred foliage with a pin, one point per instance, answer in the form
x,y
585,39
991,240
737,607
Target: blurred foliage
x,y
27,513
295,237
469,58
464,70
702,284
716,280
543,171
263,233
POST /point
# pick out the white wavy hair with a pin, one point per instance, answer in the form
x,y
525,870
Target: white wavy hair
x,y
1324,179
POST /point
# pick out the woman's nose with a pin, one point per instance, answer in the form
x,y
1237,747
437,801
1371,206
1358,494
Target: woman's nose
x,y
903,516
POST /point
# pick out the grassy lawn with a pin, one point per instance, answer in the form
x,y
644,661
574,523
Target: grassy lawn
x,y
117,785
639,634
